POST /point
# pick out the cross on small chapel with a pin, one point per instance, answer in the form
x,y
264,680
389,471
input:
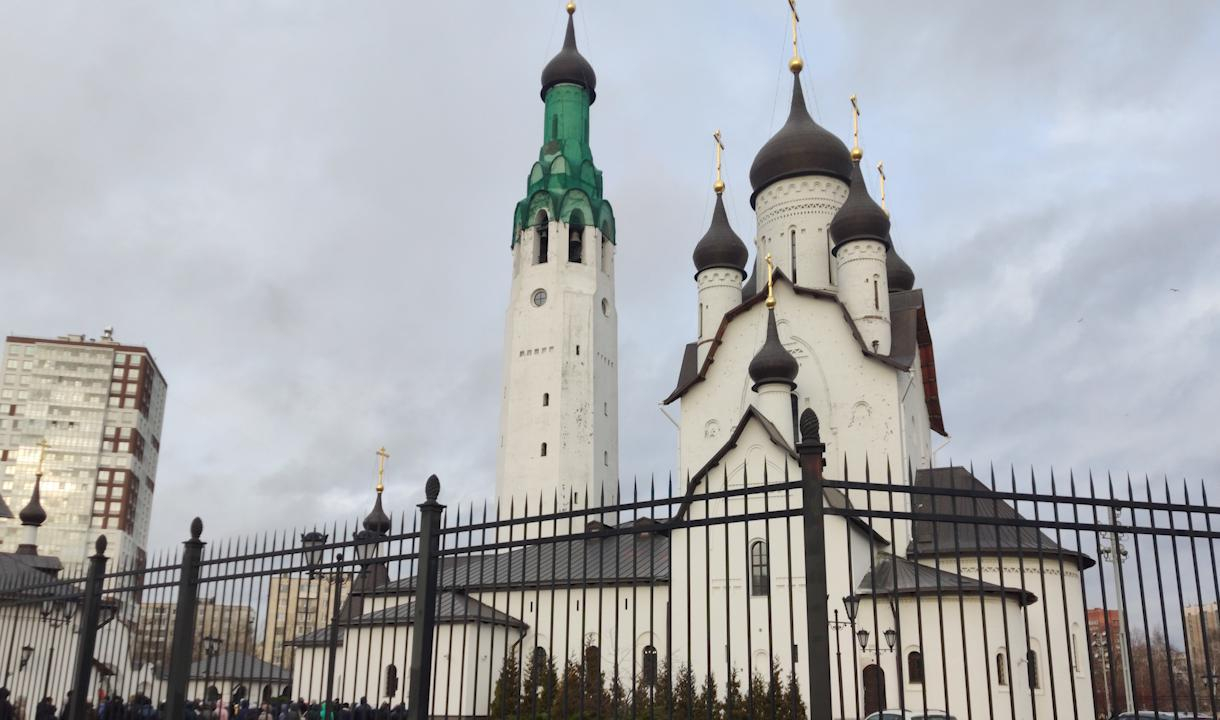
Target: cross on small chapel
x,y
881,174
795,63
42,453
719,185
770,282
382,456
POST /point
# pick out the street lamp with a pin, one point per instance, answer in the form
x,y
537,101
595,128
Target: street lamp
x,y
366,546
313,544
890,637
211,647
26,653
862,638
851,603
57,611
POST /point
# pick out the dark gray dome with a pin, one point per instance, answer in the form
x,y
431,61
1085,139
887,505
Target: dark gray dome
x,y
859,218
773,364
801,147
720,246
569,66
899,275
33,513
377,520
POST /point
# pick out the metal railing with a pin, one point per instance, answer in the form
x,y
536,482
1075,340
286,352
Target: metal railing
x,y
783,587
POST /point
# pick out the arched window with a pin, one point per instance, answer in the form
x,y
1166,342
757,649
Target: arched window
x,y
915,667
546,399
542,450
1001,670
576,229
792,250
760,569
543,232
606,458
649,665
1032,663
391,680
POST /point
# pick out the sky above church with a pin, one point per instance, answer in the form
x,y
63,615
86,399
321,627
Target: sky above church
x,y
304,210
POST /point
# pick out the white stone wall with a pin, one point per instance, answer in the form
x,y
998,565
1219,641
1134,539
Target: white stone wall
x,y
560,375
797,212
864,290
719,292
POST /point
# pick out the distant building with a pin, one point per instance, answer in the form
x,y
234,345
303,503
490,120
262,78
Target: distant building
x,y
296,605
98,405
1203,621
1106,649
233,625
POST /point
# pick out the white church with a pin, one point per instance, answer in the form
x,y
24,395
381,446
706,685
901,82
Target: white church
x,y
826,316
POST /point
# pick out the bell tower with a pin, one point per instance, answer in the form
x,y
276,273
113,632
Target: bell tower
x,y
559,412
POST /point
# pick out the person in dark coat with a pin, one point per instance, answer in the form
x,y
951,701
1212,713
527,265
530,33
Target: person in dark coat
x,y
6,707
363,711
45,710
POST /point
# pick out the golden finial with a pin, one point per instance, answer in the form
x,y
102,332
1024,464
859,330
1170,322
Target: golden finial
x,y
795,64
571,7
382,456
718,186
770,282
881,172
856,152
42,453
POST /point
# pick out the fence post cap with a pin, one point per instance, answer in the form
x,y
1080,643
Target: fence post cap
x,y
811,433
196,528
432,488
100,545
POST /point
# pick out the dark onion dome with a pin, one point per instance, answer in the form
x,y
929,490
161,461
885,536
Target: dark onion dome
x,y
773,364
801,147
33,513
859,218
720,246
899,275
569,66
377,521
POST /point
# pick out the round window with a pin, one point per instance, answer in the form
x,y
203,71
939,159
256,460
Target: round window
x,y
539,297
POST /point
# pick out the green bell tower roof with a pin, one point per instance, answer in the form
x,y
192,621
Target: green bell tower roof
x,y
564,183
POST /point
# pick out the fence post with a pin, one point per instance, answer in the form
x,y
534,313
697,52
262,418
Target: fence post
x,y
810,450
182,650
91,612
423,620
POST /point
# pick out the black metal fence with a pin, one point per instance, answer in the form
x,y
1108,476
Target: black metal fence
x,y
776,588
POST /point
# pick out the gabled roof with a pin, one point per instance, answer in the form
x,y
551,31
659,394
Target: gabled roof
x,y
237,666
633,559
939,538
833,497
908,329
897,576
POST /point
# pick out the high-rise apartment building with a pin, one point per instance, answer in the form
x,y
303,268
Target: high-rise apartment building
x,y
91,410
296,606
1203,638
232,625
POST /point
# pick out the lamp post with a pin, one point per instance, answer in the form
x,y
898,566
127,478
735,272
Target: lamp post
x,y
26,653
313,545
211,647
838,625
1100,651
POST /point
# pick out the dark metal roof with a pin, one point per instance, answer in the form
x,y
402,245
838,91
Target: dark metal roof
x,y
897,576
801,147
615,560
33,513
16,572
859,218
720,247
898,274
238,666
773,363
569,66
377,521
940,538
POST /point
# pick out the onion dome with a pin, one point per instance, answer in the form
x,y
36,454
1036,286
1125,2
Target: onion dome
x,y
720,246
899,275
773,364
569,66
859,218
801,147
377,520
33,513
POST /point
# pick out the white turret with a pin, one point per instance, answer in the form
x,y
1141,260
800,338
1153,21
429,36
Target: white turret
x,y
860,231
720,262
774,371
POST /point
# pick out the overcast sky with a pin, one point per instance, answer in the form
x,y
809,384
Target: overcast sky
x,y
304,210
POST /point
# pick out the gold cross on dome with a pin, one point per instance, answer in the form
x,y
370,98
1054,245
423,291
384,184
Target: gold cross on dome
x,y
719,184
770,282
42,453
795,64
382,456
855,127
881,172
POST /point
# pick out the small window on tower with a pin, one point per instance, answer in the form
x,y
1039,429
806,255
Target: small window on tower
x,y
577,349
542,451
546,399
554,126
543,233
606,458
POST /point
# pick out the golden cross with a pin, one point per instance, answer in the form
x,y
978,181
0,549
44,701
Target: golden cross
x,y
382,456
855,129
770,282
795,64
719,184
42,453
881,172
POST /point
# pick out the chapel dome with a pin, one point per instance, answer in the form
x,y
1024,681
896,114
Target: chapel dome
x,y
569,66
720,247
898,274
773,363
859,218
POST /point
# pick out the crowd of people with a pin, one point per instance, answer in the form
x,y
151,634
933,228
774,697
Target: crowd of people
x,y
140,707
